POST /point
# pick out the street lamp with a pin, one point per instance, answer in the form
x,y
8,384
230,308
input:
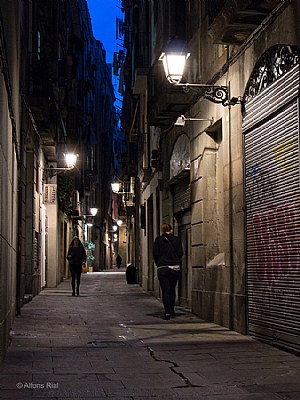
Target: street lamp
x,y
181,120
115,187
70,160
93,211
174,59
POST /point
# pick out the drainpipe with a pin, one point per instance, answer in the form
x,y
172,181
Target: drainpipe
x,y
230,208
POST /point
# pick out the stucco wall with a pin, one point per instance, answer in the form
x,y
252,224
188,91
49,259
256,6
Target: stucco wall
x,y
9,140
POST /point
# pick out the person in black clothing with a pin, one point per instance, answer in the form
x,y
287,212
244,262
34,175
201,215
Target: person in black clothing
x,y
167,254
76,256
119,261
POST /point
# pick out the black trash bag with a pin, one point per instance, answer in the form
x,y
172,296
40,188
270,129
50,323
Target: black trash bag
x,y
131,274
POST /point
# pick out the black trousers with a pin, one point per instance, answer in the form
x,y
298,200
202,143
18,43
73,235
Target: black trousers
x,y
168,279
76,274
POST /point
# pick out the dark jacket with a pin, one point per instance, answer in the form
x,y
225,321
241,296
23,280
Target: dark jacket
x,y
167,250
76,255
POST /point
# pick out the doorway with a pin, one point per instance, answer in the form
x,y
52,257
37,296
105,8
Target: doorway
x,y
185,281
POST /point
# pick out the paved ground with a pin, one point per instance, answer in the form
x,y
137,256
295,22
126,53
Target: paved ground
x,y
111,343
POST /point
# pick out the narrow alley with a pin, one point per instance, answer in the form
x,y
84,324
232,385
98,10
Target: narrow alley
x,y
110,342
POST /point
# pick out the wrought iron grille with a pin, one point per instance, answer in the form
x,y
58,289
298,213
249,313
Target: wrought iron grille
x,y
273,64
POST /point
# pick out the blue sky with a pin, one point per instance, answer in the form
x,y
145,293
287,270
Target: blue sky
x,y
103,15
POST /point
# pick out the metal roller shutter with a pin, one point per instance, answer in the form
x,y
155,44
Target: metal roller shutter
x,y
271,128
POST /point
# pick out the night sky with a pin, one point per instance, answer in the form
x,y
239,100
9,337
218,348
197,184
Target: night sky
x,y
103,14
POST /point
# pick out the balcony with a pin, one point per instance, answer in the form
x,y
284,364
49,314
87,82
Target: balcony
x,y
232,22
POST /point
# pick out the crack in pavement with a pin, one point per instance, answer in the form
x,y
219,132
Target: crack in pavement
x,y
188,383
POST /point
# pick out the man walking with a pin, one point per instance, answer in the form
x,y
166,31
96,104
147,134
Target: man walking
x,y
167,254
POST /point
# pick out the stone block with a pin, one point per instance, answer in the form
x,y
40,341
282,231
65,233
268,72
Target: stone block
x,y
197,234
198,256
197,213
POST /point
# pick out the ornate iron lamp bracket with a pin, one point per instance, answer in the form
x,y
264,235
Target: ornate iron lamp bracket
x,y
216,94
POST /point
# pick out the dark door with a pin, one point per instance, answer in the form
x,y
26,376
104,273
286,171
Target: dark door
x,y
185,282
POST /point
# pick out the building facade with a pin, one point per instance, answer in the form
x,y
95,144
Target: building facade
x,y
54,79
227,177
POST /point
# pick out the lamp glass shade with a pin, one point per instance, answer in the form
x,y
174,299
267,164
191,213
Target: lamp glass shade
x,y
174,66
115,187
173,59
94,211
180,121
71,159
119,222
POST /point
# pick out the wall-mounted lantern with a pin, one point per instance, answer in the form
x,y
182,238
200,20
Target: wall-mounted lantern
x,y
174,59
70,160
